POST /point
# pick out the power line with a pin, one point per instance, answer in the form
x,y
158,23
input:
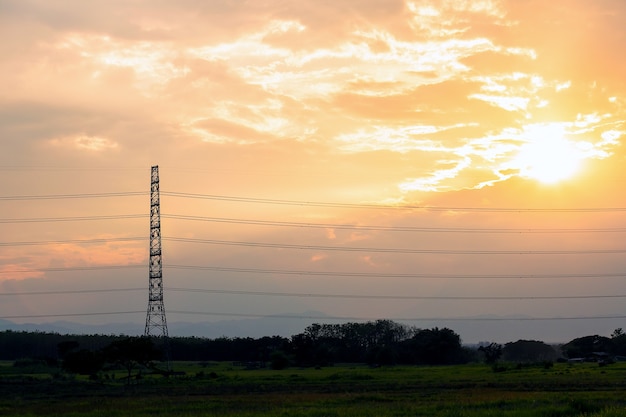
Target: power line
x,y
385,206
33,316
68,292
393,297
392,275
395,250
387,228
70,269
321,273
71,196
76,241
295,316
73,219
325,248
65,168
308,203
320,295
316,225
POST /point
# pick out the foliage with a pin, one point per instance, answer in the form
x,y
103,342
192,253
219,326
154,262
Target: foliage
x,y
16,345
381,342
586,346
433,347
528,351
83,362
323,344
230,387
618,342
492,352
67,346
279,360
132,352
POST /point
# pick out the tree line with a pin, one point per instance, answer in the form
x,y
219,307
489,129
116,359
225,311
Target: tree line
x,y
381,342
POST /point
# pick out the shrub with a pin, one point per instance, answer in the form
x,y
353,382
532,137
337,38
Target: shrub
x,y
279,360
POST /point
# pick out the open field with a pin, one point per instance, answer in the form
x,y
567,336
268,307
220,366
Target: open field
x,y
223,389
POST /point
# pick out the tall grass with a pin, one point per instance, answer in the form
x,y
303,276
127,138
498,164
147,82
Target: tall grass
x,y
221,389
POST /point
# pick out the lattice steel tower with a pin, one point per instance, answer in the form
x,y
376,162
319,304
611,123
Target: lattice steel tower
x,y
156,324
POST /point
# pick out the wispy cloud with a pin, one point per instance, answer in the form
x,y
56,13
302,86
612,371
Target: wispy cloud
x,y
447,103
396,76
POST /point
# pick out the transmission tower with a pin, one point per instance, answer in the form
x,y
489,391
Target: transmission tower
x,y
156,324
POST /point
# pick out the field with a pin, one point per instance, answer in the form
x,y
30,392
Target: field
x,y
226,389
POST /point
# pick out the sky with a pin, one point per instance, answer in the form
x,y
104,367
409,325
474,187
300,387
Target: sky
x,y
438,162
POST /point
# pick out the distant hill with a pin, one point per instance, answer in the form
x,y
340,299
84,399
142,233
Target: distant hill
x,y
255,328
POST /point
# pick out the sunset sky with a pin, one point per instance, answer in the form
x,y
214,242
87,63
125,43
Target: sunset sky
x,y
360,159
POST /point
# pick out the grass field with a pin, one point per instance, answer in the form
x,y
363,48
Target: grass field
x,y
223,389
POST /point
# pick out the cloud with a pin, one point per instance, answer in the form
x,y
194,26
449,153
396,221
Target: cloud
x,y
418,103
443,82
222,130
84,142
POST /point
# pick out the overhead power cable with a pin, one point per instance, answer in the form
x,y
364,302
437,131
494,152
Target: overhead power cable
x,y
71,196
316,225
393,297
319,295
34,316
324,248
69,269
66,168
322,273
386,206
73,219
307,203
69,292
391,274
395,250
477,319
312,317
386,228
74,241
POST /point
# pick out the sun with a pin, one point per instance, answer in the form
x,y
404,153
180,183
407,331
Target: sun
x,y
547,156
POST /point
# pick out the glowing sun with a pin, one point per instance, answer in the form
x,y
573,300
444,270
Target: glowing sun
x,y
547,156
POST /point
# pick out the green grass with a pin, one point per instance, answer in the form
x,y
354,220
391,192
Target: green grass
x,y
221,389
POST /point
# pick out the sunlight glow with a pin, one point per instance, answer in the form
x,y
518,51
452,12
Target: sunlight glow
x,y
548,156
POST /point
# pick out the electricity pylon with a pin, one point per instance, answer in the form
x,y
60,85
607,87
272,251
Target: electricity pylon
x,y
156,324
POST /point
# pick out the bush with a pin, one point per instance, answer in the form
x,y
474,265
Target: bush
x,y
279,360
83,362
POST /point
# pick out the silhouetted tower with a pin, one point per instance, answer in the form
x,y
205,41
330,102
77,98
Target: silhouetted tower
x,y
156,324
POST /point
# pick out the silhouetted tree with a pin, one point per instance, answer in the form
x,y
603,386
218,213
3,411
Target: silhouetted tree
x,y
83,362
528,351
302,348
383,355
131,353
492,352
66,346
618,342
279,360
434,347
584,347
